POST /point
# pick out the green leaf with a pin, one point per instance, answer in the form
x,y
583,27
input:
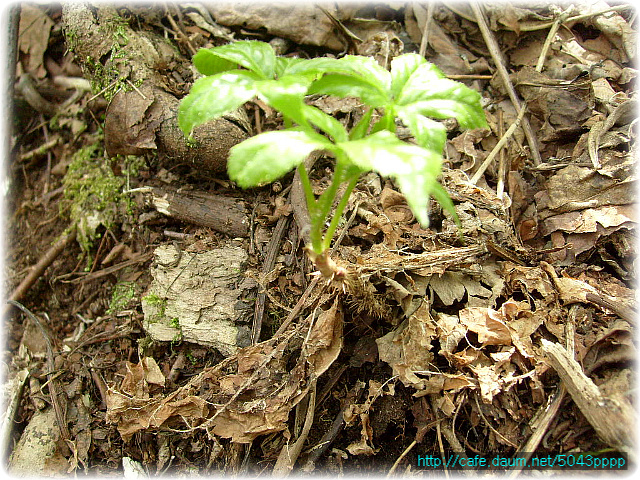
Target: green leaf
x,y
214,96
316,66
211,97
287,96
386,122
208,63
283,64
326,123
425,79
427,93
362,127
402,67
366,68
417,190
253,55
342,85
416,169
469,115
428,133
266,157
443,198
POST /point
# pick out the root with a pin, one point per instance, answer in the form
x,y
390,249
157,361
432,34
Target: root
x,y
361,294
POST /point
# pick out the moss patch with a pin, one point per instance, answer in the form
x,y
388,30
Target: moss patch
x,y
93,195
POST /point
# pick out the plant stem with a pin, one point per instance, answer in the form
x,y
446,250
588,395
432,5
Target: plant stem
x,y
325,202
328,236
315,234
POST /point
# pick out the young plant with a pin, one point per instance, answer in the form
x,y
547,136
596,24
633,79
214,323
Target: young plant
x,y
412,91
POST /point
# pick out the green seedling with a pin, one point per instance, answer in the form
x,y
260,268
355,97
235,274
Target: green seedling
x,y
414,92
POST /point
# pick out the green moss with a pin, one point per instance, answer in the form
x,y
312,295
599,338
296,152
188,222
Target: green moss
x,y
122,294
159,303
93,195
191,358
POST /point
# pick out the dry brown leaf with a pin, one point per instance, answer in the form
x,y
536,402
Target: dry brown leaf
x,y
451,287
325,340
247,395
591,219
488,324
465,144
407,349
139,376
562,110
450,332
33,38
489,381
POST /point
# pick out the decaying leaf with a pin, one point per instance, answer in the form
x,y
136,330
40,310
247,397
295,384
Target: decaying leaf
x,y
247,395
408,348
33,38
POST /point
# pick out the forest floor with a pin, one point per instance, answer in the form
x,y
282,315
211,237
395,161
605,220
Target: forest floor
x,y
514,337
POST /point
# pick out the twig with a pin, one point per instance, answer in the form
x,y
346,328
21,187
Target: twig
x,y
28,90
468,76
54,387
269,263
403,454
135,88
289,454
550,36
496,54
302,303
491,427
101,385
425,31
177,28
42,149
502,163
109,270
15,387
610,416
338,422
540,426
448,434
498,146
542,26
44,262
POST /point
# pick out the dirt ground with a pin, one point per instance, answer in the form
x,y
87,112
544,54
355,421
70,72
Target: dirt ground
x,y
511,335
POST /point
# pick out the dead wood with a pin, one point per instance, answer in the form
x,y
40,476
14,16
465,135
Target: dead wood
x,y
223,214
611,417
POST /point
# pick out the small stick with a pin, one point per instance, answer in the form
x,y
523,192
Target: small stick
x,y
541,26
41,150
610,416
498,147
84,277
289,454
468,76
550,36
39,268
402,455
425,31
54,386
269,263
496,54
502,164
540,426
